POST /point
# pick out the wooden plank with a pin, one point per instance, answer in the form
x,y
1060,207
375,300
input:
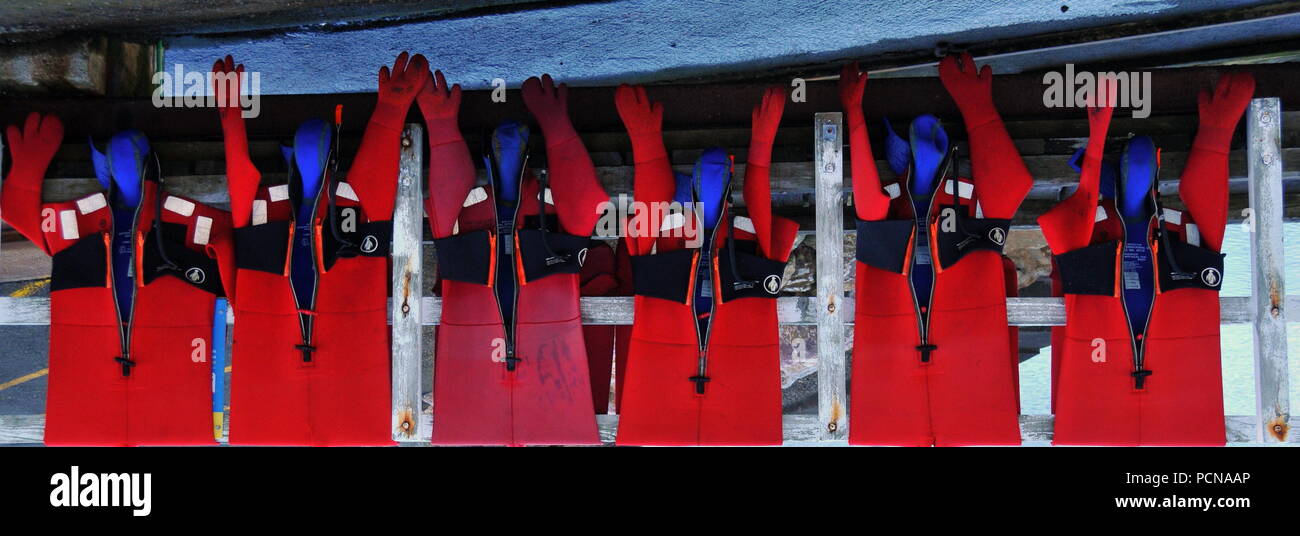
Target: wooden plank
x,y
405,305
832,384
790,311
1263,141
798,429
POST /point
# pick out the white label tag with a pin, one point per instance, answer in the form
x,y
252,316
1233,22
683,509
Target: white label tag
x,y
476,196
546,197
744,224
672,220
979,210
893,190
966,188
921,255
68,224
345,191
1101,214
278,193
92,203
259,211
179,206
1174,217
1193,234
1131,281
202,228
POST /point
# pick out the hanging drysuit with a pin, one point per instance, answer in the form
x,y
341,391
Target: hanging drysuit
x,y
310,360
1139,355
931,340
135,275
704,362
510,367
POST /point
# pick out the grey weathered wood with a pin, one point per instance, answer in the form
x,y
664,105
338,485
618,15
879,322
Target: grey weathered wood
x,y
790,311
1264,144
832,384
405,305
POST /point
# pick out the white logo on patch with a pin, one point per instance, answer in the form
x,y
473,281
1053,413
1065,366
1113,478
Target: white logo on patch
x,y
997,235
772,284
1211,277
196,275
369,244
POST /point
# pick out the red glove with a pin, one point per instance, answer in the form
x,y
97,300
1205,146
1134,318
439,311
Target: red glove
x,y
869,202
242,177
550,105
643,120
398,88
765,118
1220,112
972,90
441,107
32,148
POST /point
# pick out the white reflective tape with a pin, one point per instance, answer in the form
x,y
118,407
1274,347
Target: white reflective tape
x,y
672,220
345,191
1174,217
259,211
1101,214
742,223
278,193
966,188
179,206
92,203
979,210
68,224
476,196
1193,234
546,196
202,229
894,190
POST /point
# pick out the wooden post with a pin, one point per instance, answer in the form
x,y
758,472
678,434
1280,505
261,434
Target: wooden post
x,y
832,399
408,219
1263,149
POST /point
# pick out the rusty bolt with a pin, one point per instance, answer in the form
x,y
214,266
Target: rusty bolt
x,y
1276,311
406,308
830,307
1266,118
1267,158
406,141
832,427
830,167
1277,429
406,426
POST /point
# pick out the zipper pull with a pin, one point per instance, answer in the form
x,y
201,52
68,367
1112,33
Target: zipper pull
x,y
125,360
511,360
700,379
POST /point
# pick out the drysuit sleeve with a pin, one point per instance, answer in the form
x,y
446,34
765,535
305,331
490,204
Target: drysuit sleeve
x,y
653,183
374,171
869,201
221,247
1068,225
242,177
33,148
578,194
451,172
775,235
1204,185
1000,176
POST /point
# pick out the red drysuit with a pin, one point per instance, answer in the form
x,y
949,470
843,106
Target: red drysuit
x,y
317,377
722,387
948,380
1164,387
523,382
141,380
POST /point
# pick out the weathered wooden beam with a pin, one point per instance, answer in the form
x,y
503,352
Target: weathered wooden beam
x,y
404,307
797,429
1263,140
790,311
832,383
